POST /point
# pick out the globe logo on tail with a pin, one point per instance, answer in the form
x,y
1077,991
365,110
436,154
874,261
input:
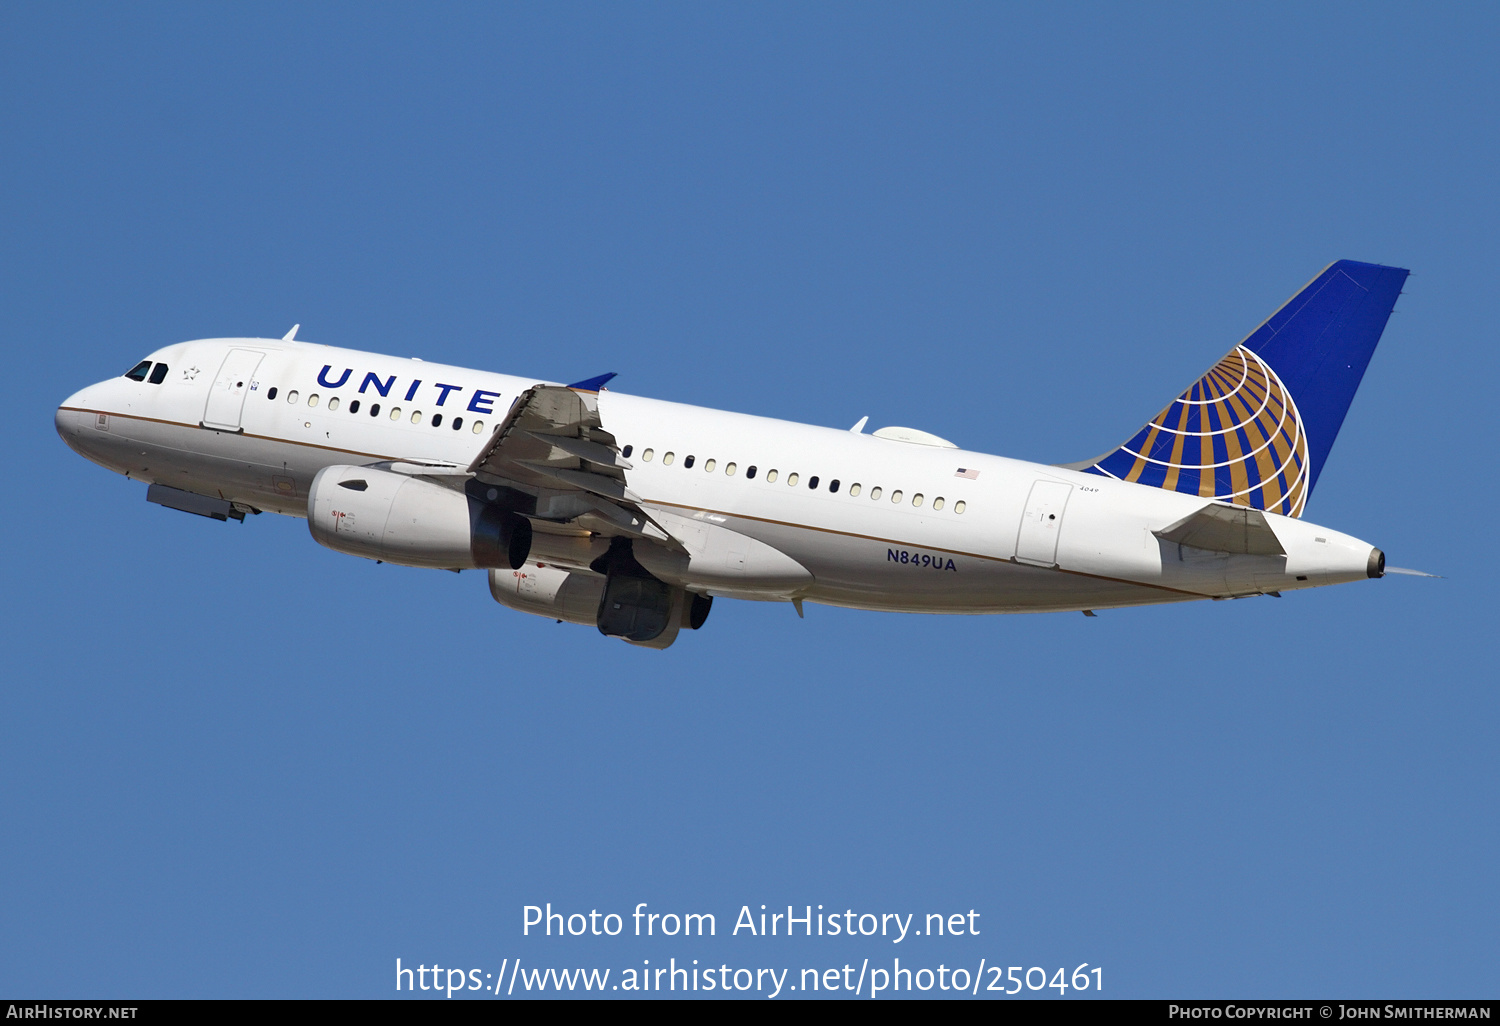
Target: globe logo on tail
x,y
1234,436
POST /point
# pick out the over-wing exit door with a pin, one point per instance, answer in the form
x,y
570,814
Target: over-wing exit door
x,y
1042,523
226,398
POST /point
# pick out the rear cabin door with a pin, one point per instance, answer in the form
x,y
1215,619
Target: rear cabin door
x,y
226,397
1042,523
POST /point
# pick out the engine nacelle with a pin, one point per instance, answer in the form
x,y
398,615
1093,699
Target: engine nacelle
x,y
549,591
402,519
641,610
630,612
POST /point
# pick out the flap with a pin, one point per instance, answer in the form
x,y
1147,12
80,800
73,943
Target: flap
x,y
1237,530
553,442
552,429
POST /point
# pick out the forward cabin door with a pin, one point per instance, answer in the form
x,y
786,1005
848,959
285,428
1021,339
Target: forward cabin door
x,y
226,397
1042,523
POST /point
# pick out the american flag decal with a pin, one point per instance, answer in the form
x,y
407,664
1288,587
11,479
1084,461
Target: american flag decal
x,y
971,475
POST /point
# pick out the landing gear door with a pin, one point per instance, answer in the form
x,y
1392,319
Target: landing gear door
x,y
1036,543
226,396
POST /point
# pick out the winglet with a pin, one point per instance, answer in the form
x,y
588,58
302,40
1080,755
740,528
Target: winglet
x,y
592,384
860,427
291,336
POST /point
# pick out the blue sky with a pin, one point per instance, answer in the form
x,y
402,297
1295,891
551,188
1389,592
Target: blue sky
x,y
238,764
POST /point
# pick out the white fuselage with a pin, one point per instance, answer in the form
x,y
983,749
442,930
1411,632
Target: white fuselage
x,y
911,527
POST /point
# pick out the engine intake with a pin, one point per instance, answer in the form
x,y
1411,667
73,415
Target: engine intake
x,y
379,514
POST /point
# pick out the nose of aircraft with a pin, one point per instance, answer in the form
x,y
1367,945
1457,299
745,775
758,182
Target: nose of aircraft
x,y
70,415
66,420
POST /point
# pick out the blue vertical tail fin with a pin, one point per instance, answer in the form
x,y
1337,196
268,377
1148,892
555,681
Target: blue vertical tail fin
x,y
1257,428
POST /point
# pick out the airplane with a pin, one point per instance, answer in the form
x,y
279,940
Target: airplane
x,y
596,507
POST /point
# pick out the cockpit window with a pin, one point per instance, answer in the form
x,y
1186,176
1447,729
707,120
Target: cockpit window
x,y
138,372
158,374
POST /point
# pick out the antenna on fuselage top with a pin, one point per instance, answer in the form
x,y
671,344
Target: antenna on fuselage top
x,y
291,336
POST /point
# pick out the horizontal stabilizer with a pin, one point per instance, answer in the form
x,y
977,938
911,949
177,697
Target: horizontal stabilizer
x,y
1233,529
1411,573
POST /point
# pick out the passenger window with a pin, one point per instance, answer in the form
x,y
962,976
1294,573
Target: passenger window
x,y
667,459
791,480
437,420
916,500
729,469
750,472
138,372
416,416
333,403
688,463
647,454
395,413
271,393
159,374
479,427
875,492
708,466
374,409
896,495
833,486
854,490
626,451
937,503
353,405
812,482
458,422
958,507
291,397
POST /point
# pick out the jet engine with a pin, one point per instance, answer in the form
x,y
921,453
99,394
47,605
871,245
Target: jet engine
x,y
398,518
642,611
549,591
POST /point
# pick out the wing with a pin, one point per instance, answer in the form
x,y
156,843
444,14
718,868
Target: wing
x,y
559,464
